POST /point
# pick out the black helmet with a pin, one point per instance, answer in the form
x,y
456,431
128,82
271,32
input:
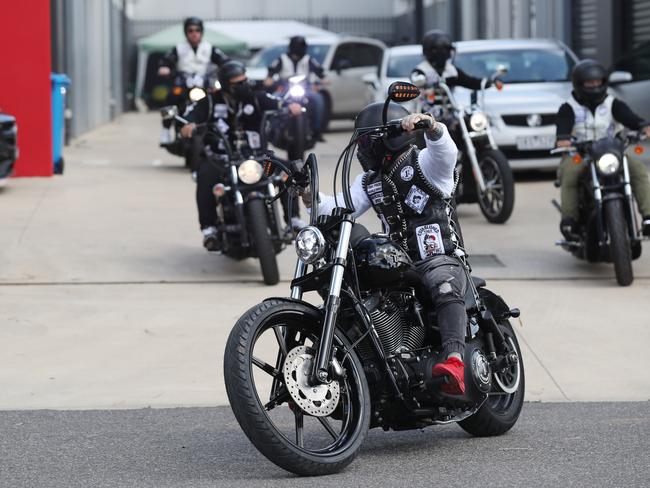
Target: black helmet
x,y
195,21
437,47
298,46
228,71
371,116
586,70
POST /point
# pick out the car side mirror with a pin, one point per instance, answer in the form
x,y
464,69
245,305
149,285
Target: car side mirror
x,y
620,77
419,79
342,64
371,80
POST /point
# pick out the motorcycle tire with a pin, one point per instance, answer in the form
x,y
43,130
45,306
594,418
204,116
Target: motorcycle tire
x,y
498,202
620,251
244,373
261,239
500,412
296,149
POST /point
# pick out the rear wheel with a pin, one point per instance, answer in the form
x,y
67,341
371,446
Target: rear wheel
x,y
261,236
502,408
498,199
620,250
308,429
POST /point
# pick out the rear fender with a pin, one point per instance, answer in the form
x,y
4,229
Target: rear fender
x,y
494,304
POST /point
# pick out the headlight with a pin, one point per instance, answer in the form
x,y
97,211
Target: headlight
x,y
250,171
478,122
608,164
296,91
310,244
197,94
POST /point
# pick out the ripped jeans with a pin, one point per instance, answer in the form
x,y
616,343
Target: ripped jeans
x,y
445,280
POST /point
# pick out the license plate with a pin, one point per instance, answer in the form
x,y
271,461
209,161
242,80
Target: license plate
x,y
531,143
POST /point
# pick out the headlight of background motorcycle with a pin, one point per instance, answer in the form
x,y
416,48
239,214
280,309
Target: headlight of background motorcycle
x,y
478,121
197,94
296,91
250,171
608,164
310,245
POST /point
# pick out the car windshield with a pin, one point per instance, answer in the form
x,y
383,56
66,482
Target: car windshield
x,y
524,65
266,56
401,65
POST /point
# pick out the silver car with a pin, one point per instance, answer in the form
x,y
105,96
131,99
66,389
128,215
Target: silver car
x,y
523,114
346,61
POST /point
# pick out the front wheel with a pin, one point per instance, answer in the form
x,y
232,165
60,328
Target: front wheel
x,y
296,149
620,250
307,428
498,199
502,408
261,239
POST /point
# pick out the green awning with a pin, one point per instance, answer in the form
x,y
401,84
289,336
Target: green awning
x,y
169,37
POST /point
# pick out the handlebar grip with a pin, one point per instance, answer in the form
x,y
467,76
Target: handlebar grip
x,y
423,124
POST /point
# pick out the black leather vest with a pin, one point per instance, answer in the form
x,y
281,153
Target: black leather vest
x,y
415,213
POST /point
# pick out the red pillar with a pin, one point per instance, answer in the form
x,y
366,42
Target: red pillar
x,y
25,81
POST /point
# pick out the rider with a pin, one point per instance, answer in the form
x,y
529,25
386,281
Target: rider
x,y
193,56
591,114
236,107
294,62
412,193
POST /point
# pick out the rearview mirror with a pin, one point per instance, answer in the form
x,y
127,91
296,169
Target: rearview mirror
x,y
620,77
419,79
401,91
502,69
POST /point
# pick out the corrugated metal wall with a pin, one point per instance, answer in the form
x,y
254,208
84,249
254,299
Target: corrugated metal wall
x,y
87,46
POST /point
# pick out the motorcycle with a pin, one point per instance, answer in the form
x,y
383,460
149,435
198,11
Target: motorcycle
x,y
248,220
307,382
609,229
289,132
187,88
486,176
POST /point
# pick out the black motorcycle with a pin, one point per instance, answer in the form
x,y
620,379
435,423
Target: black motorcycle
x,y
8,146
307,382
609,229
486,176
248,220
290,132
186,89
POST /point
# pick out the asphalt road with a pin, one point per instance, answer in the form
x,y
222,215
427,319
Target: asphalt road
x,y
577,445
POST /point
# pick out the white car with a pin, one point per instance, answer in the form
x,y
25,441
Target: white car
x,y
346,61
523,114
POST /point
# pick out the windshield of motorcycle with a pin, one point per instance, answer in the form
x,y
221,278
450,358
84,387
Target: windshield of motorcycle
x,y
524,65
266,56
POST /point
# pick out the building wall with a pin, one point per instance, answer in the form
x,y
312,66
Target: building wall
x,y
88,47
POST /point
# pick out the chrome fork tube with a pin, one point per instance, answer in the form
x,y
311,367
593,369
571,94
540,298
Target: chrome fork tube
x,y
471,153
296,291
322,363
629,198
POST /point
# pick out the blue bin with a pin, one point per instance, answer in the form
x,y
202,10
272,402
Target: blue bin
x,y
60,84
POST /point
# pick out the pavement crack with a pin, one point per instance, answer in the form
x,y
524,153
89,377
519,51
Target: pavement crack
x,y
548,372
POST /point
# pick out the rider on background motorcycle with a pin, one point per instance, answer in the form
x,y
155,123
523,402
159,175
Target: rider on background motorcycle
x,y
295,62
192,56
412,193
591,114
235,107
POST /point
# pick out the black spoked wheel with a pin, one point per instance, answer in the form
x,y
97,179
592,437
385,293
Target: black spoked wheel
x,y
498,200
306,428
260,233
502,408
620,250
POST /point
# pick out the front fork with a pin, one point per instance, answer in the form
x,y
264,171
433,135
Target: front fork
x,y
471,153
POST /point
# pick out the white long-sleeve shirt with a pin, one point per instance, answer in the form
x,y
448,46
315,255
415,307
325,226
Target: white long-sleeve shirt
x,y
437,162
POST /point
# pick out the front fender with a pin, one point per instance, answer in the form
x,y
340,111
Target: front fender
x,y
317,312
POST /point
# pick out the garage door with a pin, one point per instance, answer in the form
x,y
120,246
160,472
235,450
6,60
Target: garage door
x,y
584,16
639,22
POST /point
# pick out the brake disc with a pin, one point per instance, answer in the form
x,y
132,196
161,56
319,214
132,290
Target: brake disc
x,y
317,400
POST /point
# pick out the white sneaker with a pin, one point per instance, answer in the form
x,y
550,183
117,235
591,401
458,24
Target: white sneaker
x,y
166,136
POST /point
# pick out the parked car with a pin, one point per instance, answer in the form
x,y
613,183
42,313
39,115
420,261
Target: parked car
x,y
631,79
8,148
523,113
346,60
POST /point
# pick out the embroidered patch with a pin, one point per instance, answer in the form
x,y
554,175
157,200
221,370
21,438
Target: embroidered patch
x,y
374,188
223,126
602,110
429,240
407,173
377,198
254,140
416,199
220,111
248,109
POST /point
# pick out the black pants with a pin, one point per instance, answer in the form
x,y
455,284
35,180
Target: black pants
x,y
446,282
207,176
